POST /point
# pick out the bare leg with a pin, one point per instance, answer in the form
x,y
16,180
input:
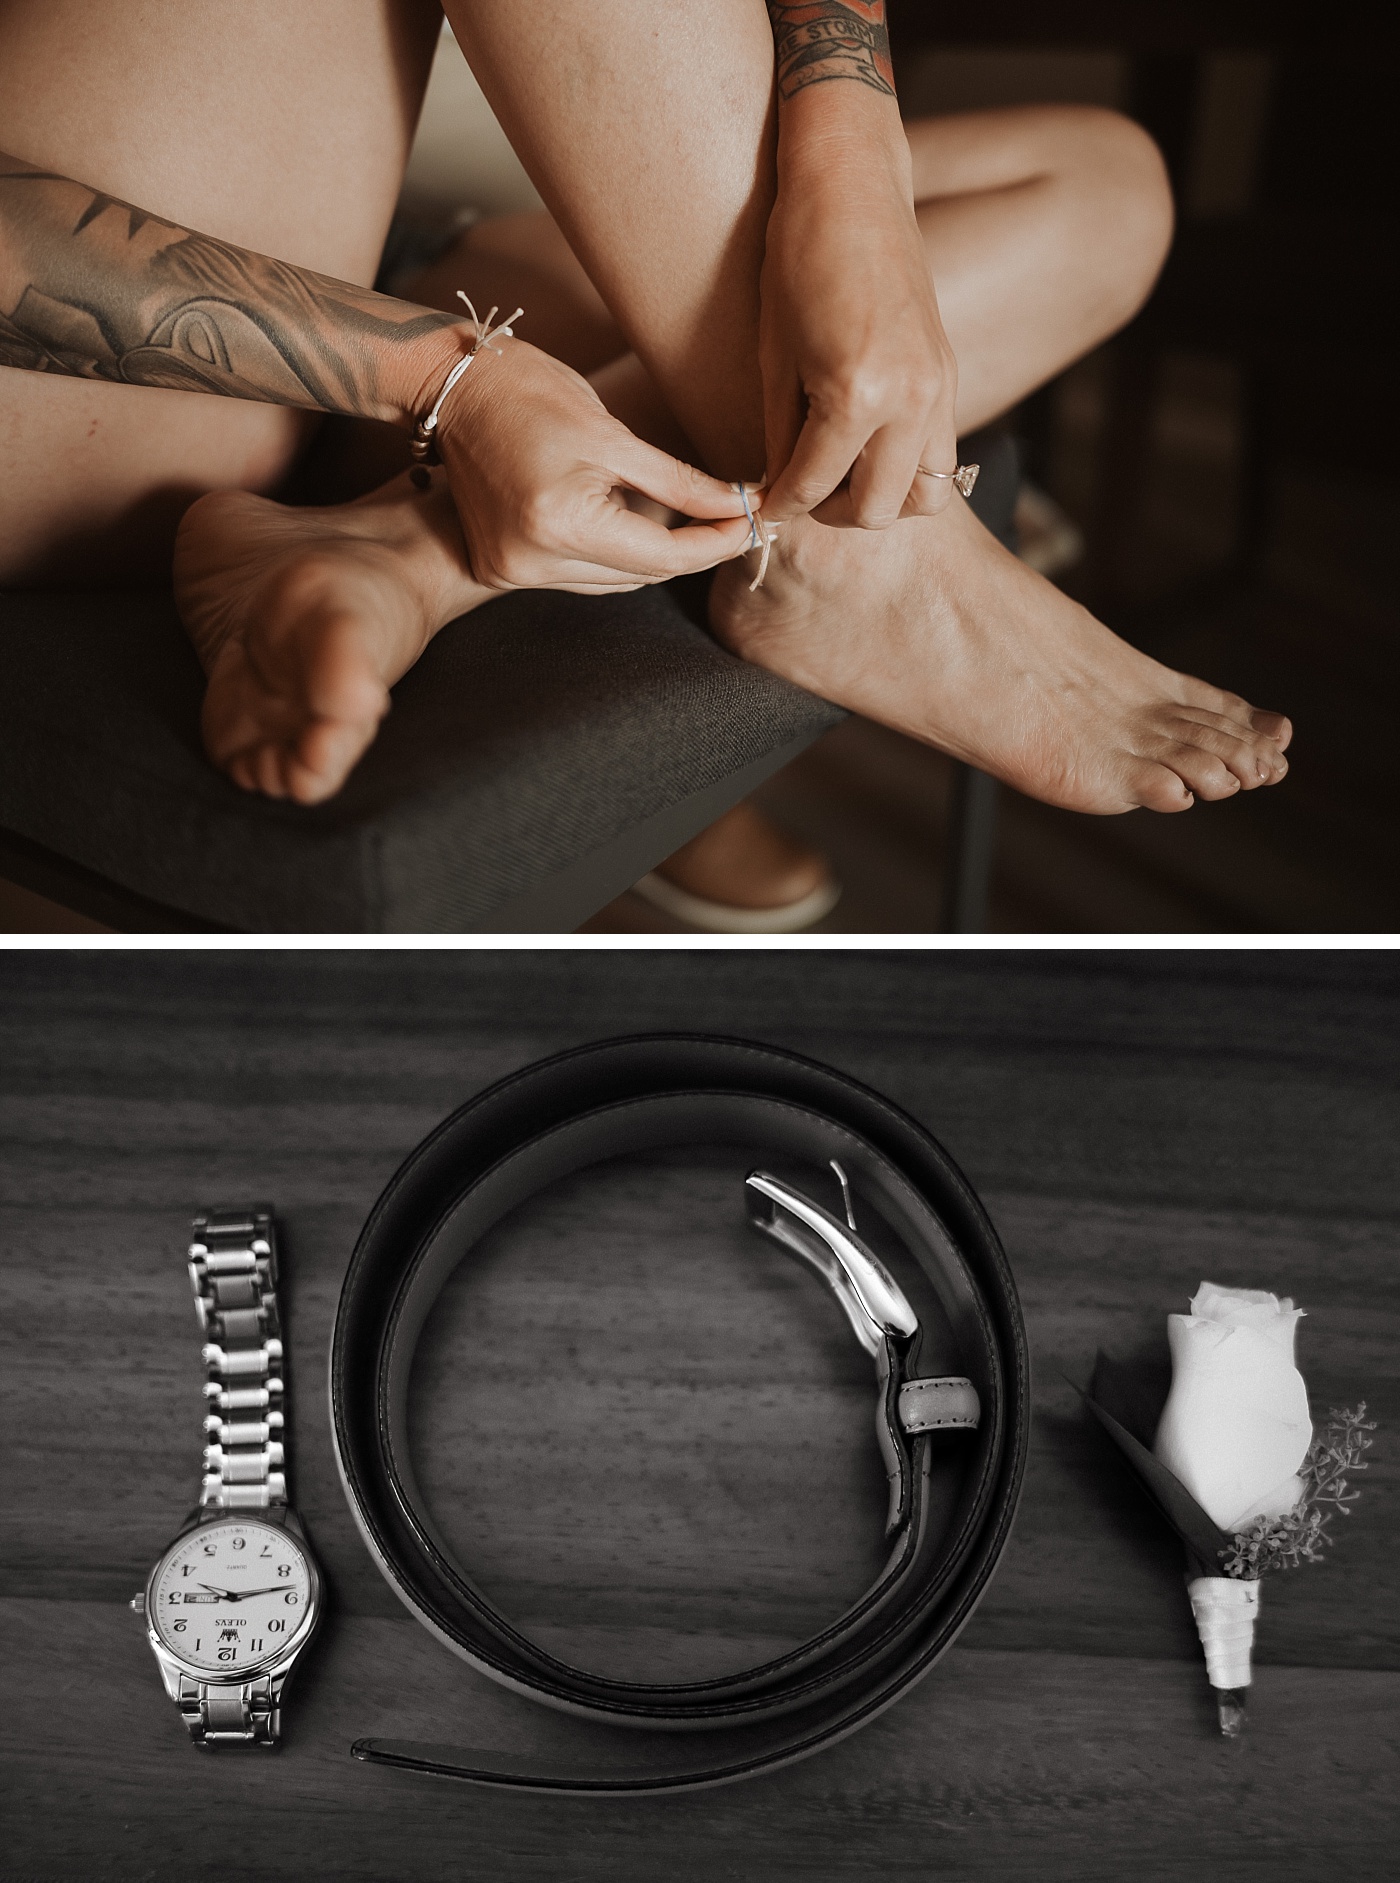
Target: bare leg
x,y
929,627
284,128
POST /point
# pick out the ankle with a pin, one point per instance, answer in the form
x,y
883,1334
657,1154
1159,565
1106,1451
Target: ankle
x,y
425,532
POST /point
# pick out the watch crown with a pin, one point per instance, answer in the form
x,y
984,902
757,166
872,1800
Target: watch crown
x,y
138,1603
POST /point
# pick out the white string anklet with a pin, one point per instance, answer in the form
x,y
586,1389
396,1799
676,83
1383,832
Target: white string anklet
x,y
423,444
761,536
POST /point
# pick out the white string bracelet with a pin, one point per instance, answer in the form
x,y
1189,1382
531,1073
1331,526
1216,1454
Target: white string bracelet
x,y
423,444
761,536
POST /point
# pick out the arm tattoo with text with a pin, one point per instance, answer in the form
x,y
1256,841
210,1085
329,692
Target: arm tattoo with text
x,y
92,287
821,39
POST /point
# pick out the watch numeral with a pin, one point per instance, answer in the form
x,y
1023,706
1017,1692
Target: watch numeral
x,y
266,1550
291,1598
277,1627
179,1627
210,1549
228,1654
240,1543
187,1569
284,1569
256,1646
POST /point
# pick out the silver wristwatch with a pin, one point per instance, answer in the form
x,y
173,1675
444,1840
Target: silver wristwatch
x,y
234,1601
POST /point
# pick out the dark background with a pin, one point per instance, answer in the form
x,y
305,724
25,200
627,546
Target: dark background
x,y
1134,1122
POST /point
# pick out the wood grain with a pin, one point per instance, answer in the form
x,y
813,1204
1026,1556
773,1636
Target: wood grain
x,y
656,1451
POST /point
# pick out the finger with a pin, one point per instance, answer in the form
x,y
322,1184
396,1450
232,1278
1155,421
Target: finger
x,y
822,456
671,481
929,493
628,544
612,547
882,476
835,511
784,409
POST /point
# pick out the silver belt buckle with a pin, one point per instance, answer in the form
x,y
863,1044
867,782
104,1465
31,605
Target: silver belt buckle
x,y
875,1304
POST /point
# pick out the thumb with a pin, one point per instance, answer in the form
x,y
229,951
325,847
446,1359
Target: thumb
x,y
672,482
784,413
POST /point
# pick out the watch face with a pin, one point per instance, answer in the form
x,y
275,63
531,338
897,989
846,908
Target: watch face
x,y
231,1594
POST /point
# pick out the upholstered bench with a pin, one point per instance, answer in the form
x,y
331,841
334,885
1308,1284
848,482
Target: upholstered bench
x,y
544,754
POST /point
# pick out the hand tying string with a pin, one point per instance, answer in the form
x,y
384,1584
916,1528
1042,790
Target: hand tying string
x,y
761,536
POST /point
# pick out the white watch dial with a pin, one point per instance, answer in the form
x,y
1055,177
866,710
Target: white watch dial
x,y
231,1594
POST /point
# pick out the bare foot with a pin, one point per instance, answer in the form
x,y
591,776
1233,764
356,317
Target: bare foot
x,y
933,628
304,618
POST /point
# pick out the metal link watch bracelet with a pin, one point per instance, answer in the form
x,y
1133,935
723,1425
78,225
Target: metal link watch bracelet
x,y
234,1600
233,1271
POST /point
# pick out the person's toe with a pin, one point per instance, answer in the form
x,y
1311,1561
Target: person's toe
x,y
240,769
265,763
1198,694
340,683
1156,787
1253,757
1202,772
1275,726
321,759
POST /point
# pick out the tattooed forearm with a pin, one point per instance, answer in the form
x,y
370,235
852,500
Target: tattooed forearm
x,y
93,287
822,39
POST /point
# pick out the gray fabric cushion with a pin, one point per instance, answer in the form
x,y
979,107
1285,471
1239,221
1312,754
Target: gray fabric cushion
x,y
530,738
543,754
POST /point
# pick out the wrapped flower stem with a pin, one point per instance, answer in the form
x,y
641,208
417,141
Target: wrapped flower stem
x,y
1225,1609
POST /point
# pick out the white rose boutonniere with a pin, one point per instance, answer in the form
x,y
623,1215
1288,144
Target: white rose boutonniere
x,y
1232,1461
1234,1431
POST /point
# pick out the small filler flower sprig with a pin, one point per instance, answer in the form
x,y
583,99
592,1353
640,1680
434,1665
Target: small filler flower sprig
x,y
1232,1462
1301,1535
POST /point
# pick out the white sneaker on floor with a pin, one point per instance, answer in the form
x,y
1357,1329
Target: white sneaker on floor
x,y
1047,540
724,918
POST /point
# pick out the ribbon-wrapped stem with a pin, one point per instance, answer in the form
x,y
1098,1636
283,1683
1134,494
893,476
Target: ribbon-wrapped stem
x,y
1225,1609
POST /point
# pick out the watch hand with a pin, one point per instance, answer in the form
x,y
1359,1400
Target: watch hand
x,y
242,1595
225,1595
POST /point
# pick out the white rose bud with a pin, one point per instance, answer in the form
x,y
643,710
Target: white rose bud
x,y
1235,1428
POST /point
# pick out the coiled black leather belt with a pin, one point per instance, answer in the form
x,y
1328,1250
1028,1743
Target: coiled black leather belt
x,y
954,1442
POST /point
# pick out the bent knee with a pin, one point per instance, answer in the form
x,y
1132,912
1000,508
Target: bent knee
x,y
1117,173
1118,198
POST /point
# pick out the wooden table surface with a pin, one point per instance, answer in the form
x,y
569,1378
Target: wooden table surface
x,y
1135,1123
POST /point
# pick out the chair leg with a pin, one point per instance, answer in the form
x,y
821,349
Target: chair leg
x,y
971,848
1254,509
1123,452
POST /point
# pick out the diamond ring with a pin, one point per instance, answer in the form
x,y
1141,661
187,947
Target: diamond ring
x,y
963,478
